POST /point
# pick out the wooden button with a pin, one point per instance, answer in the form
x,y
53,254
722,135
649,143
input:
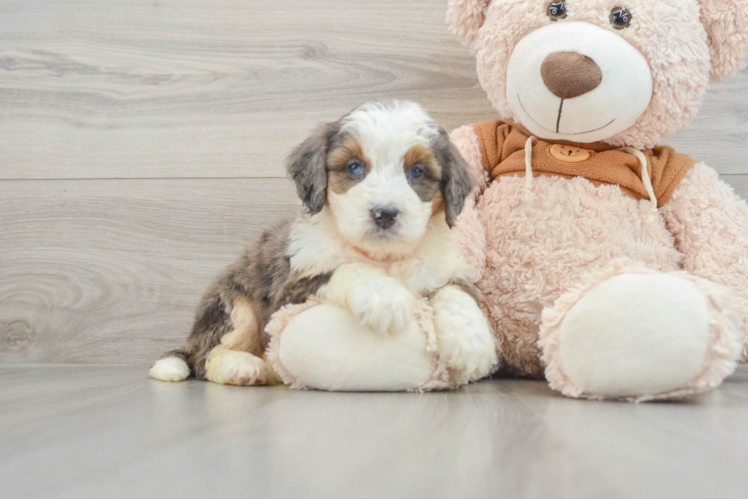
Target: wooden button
x,y
570,154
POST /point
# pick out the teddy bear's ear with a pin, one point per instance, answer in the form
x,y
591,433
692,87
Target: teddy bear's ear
x,y
465,17
726,23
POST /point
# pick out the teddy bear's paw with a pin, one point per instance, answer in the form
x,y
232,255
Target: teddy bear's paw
x,y
384,305
236,368
464,339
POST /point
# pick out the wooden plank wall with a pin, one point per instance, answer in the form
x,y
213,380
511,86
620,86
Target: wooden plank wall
x,y
142,143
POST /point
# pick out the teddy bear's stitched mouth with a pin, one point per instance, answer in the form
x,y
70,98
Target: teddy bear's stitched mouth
x,y
557,131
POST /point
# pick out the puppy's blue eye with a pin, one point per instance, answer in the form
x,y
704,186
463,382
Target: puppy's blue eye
x,y
355,169
416,172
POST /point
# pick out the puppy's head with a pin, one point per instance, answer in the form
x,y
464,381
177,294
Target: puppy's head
x,y
384,171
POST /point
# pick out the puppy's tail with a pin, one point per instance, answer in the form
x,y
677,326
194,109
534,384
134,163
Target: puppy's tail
x,y
174,366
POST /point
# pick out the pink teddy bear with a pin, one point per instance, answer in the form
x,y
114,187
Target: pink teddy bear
x,y
615,267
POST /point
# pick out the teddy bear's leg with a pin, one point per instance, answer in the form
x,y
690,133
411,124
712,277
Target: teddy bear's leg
x,y
326,347
636,334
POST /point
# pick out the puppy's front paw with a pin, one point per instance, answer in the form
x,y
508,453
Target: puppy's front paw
x,y
383,304
464,339
468,348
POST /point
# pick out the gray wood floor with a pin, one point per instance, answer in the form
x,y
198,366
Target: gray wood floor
x,y
104,431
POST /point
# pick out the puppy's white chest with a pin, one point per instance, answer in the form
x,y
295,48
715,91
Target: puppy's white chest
x,y
418,276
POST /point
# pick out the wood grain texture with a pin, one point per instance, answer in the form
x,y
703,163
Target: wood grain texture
x,y
185,88
739,183
111,271
115,433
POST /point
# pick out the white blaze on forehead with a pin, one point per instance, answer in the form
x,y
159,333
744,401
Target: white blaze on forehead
x,y
387,131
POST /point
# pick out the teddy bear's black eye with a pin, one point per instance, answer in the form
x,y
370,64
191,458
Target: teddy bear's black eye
x,y
557,10
620,18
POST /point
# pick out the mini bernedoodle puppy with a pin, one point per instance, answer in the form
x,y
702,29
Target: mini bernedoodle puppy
x,y
382,187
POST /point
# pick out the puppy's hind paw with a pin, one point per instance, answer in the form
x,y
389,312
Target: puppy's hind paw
x,y
170,369
229,367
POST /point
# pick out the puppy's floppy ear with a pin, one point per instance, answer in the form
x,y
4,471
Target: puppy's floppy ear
x,y
457,181
307,166
726,23
465,18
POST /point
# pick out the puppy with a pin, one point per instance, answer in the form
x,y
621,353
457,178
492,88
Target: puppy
x,y
382,187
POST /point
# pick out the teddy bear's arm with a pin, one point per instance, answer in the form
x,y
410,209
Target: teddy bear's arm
x,y
710,225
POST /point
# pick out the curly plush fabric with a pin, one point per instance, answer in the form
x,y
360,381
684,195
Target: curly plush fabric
x,y
472,237
726,23
539,249
466,17
708,221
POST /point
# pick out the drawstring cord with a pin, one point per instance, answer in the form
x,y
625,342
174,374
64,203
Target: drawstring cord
x,y
646,180
529,195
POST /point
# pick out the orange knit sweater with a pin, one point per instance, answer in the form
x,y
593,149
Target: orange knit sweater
x,y
502,145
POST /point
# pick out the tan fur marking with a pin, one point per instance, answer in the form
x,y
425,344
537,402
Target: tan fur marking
x,y
437,205
337,160
244,335
427,186
424,156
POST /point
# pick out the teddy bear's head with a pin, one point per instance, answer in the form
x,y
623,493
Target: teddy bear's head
x,y
627,72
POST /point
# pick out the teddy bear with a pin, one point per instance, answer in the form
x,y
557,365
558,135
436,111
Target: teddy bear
x,y
612,266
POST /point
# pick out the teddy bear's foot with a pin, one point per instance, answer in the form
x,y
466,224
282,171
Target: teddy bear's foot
x,y
632,333
326,347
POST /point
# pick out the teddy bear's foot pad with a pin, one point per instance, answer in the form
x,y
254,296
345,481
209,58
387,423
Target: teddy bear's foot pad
x,y
327,348
643,336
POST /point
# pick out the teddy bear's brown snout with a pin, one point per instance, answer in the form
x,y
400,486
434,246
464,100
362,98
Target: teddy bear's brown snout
x,y
570,74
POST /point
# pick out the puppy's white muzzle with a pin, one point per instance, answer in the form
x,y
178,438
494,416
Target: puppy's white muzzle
x,y
598,84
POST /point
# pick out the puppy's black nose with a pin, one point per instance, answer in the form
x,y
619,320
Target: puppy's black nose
x,y
385,217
